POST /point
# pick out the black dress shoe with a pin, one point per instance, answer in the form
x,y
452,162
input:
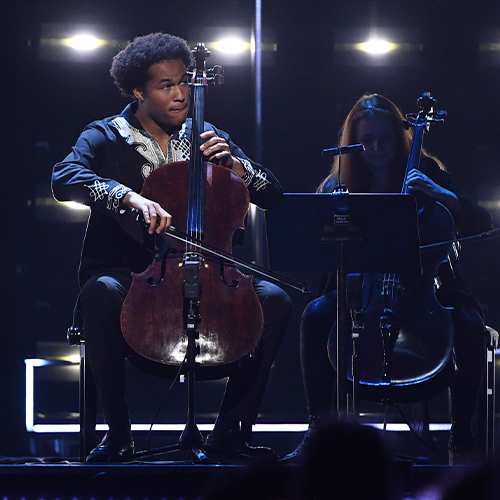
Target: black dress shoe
x,y
229,447
112,449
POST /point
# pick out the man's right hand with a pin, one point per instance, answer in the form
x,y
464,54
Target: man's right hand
x,y
158,219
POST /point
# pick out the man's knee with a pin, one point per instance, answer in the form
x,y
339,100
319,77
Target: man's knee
x,y
274,301
101,293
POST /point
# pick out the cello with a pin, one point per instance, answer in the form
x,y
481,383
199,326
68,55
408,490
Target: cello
x,y
185,288
402,337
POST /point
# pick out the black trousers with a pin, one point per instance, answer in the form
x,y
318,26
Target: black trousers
x,y
99,307
320,315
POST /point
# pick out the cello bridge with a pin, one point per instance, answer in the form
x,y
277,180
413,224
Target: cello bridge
x,y
193,257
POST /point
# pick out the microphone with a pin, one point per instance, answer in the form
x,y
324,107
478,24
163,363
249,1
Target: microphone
x,y
342,150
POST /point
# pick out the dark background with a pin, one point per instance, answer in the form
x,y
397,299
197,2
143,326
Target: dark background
x,y
308,88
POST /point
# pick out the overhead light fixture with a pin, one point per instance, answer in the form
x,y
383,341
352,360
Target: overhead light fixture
x,y
376,46
489,47
83,42
233,46
230,45
380,47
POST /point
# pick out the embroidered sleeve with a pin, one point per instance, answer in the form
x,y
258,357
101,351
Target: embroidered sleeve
x,y
253,177
82,176
100,190
264,188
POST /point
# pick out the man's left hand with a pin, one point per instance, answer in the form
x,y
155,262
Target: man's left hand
x,y
216,149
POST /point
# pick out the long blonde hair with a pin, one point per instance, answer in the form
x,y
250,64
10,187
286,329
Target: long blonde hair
x,y
354,172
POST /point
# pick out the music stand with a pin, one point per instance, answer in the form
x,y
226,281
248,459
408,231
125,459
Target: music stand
x,y
321,232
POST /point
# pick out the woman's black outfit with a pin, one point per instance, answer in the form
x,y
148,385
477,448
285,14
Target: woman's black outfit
x,y
319,318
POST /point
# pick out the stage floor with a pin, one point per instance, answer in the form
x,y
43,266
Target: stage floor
x,y
33,478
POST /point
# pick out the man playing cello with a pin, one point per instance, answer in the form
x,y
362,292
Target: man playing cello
x,y
106,170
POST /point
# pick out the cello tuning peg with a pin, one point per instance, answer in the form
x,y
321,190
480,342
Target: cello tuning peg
x,y
410,119
217,75
218,80
438,116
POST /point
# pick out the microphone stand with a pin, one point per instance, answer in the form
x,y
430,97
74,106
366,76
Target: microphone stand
x,y
341,222
191,438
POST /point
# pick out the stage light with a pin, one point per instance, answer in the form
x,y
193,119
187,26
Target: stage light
x,y
67,360
233,46
230,46
72,205
84,42
31,364
376,46
489,47
48,209
81,42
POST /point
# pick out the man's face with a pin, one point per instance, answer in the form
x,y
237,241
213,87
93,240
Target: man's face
x,y
165,100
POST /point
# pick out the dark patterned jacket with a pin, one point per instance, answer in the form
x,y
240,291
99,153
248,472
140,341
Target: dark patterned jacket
x,y
114,156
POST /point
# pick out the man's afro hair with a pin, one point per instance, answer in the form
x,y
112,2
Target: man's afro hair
x,y
129,68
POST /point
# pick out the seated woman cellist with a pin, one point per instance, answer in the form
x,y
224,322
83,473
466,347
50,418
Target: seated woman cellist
x,y
378,124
